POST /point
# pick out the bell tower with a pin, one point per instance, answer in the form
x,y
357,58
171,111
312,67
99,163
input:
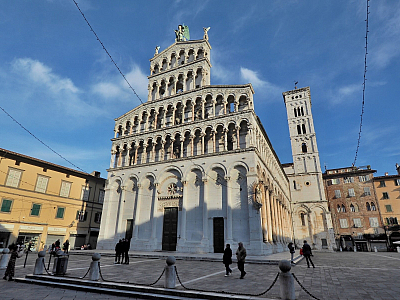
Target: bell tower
x,y
311,217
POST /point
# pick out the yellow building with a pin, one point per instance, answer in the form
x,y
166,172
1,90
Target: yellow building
x,y
388,193
41,202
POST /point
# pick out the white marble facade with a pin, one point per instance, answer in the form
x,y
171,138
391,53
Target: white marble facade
x,y
192,168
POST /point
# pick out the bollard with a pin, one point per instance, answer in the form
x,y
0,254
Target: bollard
x,y
398,249
4,259
286,281
170,273
39,264
355,249
341,249
94,272
376,250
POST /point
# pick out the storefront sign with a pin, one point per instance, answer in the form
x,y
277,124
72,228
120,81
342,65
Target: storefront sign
x,y
6,227
56,229
30,228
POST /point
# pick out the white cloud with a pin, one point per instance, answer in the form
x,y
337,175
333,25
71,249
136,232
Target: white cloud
x,y
117,89
41,74
345,94
266,88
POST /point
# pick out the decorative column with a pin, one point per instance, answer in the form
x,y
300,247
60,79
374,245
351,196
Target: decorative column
x,y
269,214
205,214
202,143
173,115
280,219
149,93
191,145
127,157
274,227
238,137
153,152
153,213
203,102
112,161
164,119
162,150
136,153
264,217
229,239
213,103
213,140
193,105
225,139
184,205
155,119
137,212
181,154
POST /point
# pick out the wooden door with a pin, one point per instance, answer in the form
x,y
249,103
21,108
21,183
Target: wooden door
x,y
219,235
170,229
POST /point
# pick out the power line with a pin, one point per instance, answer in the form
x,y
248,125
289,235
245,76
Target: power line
x,y
109,55
41,140
363,92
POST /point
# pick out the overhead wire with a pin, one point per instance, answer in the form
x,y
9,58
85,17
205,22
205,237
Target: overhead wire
x,y
364,81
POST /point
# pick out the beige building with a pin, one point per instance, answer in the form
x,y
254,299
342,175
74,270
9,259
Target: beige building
x,y
387,190
41,202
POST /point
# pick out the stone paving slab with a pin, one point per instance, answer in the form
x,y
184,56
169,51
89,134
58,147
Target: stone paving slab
x,y
338,275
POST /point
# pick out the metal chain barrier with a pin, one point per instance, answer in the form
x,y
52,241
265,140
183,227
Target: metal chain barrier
x,y
304,289
51,274
224,292
129,282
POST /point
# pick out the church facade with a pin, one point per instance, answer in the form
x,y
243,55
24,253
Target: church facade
x,y
192,168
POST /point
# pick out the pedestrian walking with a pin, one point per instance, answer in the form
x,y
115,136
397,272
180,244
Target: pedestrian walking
x,y
241,257
126,247
307,254
227,259
66,246
16,252
292,251
118,252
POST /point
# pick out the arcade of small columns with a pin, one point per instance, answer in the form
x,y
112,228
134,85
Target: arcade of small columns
x,y
187,144
186,80
182,112
275,215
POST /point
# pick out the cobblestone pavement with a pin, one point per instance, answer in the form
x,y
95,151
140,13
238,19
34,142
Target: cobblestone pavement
x,y
338,275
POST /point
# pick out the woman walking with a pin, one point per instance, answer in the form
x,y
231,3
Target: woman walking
x,y
15,253
227,259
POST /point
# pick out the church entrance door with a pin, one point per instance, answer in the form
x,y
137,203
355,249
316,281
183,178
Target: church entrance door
x,y
218,235
170,229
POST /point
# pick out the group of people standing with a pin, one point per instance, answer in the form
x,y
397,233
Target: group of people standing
x,y
122,249
305,251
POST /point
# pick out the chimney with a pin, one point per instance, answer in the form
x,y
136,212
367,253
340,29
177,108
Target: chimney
x,y
386,174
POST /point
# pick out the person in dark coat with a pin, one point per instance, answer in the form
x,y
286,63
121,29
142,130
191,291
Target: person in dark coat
x,y
123,251
307,254
292,251
126,247
66,246
57,244
227,259
16,252
241,258
118,251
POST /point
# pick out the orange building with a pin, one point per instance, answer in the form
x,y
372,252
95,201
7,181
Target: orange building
x,y
388,194
41,202
355,210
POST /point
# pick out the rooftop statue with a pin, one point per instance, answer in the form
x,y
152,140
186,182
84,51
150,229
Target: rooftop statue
x,y
182,34
206,32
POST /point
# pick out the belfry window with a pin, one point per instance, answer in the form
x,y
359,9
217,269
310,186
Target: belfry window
x,y
304,128
295,112
298,129
304,148
303,219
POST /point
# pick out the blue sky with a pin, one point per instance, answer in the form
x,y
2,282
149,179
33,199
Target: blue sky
x,y
58,82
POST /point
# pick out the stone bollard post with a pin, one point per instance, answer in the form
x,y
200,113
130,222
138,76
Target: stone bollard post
x,y
39,264
4,259
341,249
94,272
398,250
286,281
376,250
355,249
170,273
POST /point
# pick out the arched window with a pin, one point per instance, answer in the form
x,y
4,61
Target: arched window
x,y
302,111
304,128
298,129
373,207
368,207
295,112
352,209
343,208
298,111
304,148
338,208
303,219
